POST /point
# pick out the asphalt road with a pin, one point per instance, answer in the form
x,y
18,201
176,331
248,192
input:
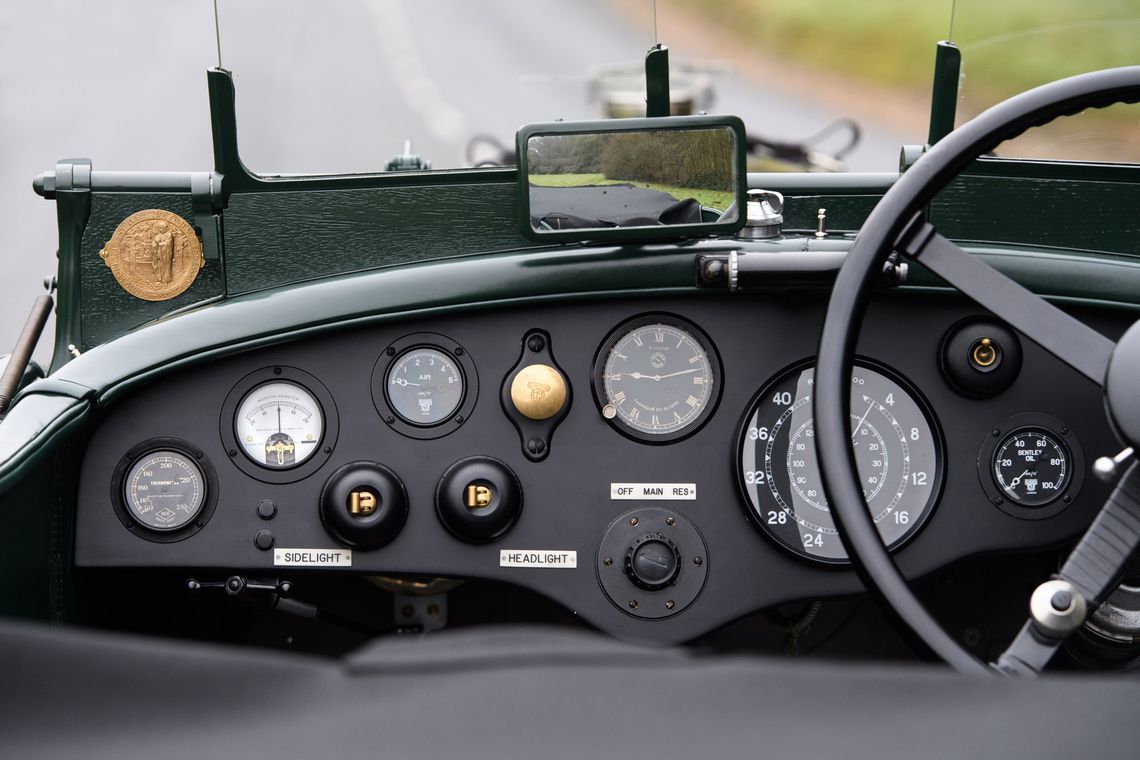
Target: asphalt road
x,y
330,87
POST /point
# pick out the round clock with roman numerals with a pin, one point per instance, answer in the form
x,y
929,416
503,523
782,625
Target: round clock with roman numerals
x,y
657,378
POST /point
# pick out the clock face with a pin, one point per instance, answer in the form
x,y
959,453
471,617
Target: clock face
x,y
657,378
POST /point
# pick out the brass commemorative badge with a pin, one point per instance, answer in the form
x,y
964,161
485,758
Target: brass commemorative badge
x,y
154,254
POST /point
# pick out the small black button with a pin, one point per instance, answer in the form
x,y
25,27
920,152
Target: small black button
x,y
264,540
266,509
1061,601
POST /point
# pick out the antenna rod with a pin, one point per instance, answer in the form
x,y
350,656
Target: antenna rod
x,y
218,33
656,40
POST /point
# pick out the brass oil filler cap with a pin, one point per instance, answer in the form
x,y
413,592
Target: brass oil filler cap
x,y
538,391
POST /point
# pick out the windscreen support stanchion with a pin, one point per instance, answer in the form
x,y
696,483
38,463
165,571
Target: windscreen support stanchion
x,y
657,81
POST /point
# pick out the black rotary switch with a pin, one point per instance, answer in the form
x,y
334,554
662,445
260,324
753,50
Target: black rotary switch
x,y
478,499
653,562
364,505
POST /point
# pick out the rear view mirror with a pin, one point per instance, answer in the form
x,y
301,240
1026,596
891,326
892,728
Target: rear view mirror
x,y
632,179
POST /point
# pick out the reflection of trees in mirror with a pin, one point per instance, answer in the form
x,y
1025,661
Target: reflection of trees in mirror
x,y
685,164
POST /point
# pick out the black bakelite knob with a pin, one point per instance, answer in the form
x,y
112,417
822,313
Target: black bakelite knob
x,y
364,505
653,562
478,499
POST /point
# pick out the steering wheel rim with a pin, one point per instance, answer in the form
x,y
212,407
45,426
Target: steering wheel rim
x,y
895,223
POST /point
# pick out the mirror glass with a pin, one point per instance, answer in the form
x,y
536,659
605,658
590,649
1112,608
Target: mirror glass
x,y
632,179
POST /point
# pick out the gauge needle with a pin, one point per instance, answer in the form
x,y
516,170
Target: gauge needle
x,y
278,419
639,376
1013,483
403,382
870,406
674,374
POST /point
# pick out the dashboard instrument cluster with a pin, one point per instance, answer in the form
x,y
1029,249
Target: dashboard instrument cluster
x,y
653,469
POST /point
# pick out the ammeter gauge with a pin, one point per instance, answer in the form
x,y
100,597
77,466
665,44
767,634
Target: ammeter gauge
x,y
279,425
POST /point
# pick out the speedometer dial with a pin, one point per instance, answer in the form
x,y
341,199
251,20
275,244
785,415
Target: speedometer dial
x,y
897,452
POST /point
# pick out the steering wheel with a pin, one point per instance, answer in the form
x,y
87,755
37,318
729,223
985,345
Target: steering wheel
x,y
1059,606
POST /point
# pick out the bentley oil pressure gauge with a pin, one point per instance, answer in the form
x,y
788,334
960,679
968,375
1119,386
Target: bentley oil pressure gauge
x,y
1032,466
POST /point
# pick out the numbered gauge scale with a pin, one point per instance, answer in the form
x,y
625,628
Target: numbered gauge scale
x,y
657,378
897,450
279,425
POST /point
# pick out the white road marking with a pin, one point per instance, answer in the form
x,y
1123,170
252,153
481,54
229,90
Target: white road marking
x,y
409,74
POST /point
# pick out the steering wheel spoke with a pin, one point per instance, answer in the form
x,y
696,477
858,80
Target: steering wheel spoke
x,y
1070,340
1091,573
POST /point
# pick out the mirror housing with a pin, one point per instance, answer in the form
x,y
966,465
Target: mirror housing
x,y
631,179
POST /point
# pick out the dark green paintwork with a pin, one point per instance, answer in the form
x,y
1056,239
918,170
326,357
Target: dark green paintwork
x,y
629,234
944,91
282,237
73,207
108,311
1070,214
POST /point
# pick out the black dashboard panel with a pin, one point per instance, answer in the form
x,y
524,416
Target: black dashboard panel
x,y
728,566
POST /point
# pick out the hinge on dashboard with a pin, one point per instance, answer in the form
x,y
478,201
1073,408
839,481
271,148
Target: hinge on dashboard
x,y
206,196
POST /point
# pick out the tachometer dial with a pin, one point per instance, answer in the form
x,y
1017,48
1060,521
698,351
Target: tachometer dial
x,y
657,378
424,386
897,452
1032,466
279,425
164,490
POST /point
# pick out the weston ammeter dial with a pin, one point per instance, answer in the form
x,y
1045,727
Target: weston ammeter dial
x,y
279,425
897,451
1032,466
657,378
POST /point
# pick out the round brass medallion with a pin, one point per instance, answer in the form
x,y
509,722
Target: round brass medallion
x,y
154,254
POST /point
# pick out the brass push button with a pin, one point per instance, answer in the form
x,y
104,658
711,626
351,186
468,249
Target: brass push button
x,y
479,496
538,391
362,502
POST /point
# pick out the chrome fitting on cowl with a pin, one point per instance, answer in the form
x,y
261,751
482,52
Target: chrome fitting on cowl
x,y
764,215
